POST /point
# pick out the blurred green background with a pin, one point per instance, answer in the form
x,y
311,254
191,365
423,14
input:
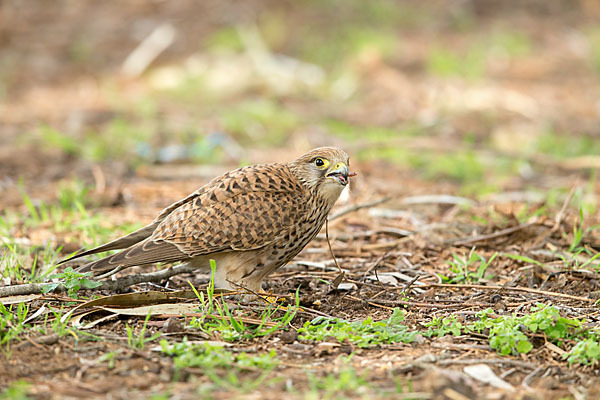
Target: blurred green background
x,y
481,95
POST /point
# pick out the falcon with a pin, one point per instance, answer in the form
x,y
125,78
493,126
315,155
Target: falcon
x,y
250,221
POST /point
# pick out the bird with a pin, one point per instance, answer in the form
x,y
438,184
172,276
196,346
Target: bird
x,y
250,221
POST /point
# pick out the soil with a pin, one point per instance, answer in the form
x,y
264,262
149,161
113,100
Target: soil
x,y
369,243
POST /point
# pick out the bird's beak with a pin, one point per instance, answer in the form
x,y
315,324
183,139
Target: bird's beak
x,y
340,174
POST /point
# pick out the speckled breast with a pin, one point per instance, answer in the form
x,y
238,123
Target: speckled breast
x,y
301,235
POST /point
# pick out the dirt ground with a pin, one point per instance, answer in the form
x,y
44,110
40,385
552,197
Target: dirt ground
x,y
401,225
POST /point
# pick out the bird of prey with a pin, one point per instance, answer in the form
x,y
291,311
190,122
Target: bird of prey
x,y
251,221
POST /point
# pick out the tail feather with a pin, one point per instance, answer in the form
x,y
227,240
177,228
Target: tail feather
x,y
146,252
120,243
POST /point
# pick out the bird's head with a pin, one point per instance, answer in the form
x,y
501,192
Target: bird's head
x,y
324,171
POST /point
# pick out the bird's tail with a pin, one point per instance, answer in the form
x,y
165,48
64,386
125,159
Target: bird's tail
x,y
120,243
143,253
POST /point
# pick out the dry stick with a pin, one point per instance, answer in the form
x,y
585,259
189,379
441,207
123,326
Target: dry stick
x,y
494,235
357,207
409,284
530,376
396,303
510,289
370,302
563,209
557,220
118,284
516,363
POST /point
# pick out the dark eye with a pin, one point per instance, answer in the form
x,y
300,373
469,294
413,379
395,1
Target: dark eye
x,y
319,162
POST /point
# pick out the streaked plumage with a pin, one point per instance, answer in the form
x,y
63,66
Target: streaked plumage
x,y
250,221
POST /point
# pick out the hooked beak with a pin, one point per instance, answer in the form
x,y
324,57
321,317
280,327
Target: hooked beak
x,y
340,174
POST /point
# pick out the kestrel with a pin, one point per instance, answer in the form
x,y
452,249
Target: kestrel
x,y
251,221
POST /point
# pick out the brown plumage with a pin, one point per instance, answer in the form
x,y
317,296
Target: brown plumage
x,y
250,221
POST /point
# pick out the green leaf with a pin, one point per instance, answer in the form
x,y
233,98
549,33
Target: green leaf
x,y
89,284
49,287
524,347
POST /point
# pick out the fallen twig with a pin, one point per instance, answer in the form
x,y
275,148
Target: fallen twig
x,y
147,51
117,284
397,303
510,289
357,207
561,213
494,235
439,199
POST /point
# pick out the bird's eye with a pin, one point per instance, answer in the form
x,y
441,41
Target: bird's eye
x,y
321,162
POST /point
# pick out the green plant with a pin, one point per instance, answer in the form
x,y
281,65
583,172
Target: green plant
x,y
72,281
548,320
15,391
522,258
460,267
265,120
57,324
510,334
586,352
441,326
364,333
507,334
140,341
227,327
210,357
469,64
12,322
109,357
73,195
577,233
506,337
345,381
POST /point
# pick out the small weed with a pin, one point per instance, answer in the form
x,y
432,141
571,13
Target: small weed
x,y
522,258
61,328
229,328
563,145
510,43
364,333
586,352
210,358
72,281
73,195
463,167
548,320
12,322
507,334
344,381
468,64
577,233
510,334
15,391
161,396
442,326
110,358
140,341
460,267
264,121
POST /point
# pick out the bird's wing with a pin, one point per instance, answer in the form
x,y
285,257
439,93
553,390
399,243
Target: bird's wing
x,y
246,221
245,209
245,212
